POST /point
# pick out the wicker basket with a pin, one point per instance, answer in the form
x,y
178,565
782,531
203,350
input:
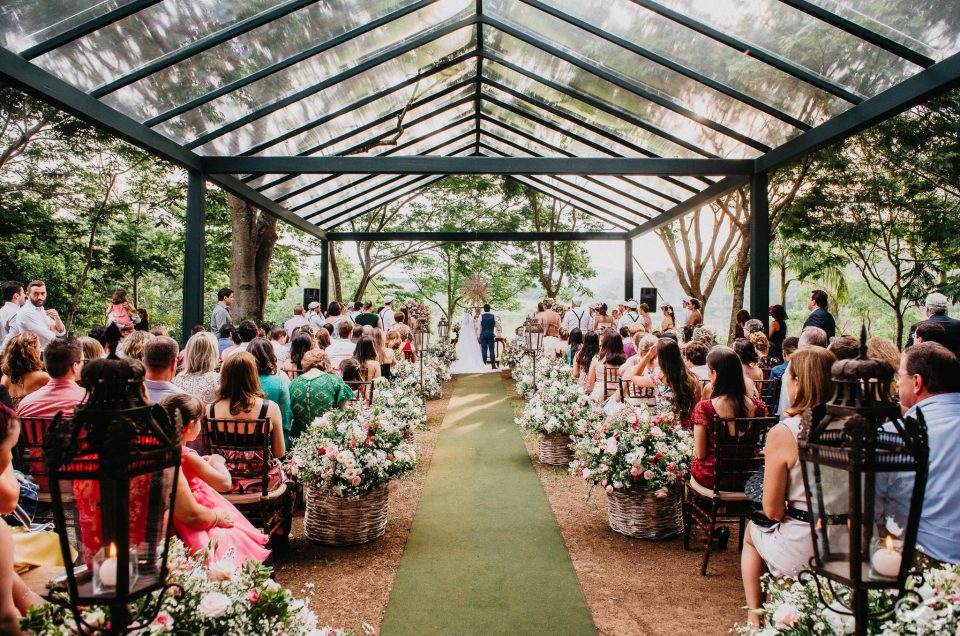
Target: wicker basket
x,y
554,449
333,520
638,513
506,373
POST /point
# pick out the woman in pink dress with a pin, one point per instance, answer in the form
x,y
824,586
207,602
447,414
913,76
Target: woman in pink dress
x,y
202,516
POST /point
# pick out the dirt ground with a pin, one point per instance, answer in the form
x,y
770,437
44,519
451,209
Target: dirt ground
x,y
635,587
349,587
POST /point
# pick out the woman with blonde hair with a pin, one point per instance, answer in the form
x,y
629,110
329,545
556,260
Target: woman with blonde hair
x,y
22,370
385,355
133,345
92,349
199,377
785,547
880,348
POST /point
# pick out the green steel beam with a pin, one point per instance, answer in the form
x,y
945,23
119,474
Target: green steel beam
x,y
720,87
290,61
205,43
751,50
629,86
714,192
478,9
860,32
86,28
466,165
528,137
925,85
369,99
194,252
476,237
362,67
759,247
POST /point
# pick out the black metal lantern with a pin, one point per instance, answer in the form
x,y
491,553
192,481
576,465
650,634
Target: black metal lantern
x,y
113,479
865,472
443,330
533,335
421,340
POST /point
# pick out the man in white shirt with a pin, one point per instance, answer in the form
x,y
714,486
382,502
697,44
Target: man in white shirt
x,y
386,314
315,316
298,320
577,317
684,314
13,299
34,318
341,348
630,316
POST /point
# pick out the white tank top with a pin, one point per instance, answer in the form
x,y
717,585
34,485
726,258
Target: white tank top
x,y
796,493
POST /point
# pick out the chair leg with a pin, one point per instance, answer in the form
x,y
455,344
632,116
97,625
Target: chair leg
x,y
687,526
713,525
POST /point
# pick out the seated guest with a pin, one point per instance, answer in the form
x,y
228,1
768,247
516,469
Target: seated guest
x,y
762,346
15,597
22,370
809,337
315,392
199,377
160,362
611,356
301,345
628,349
275,386
92,349
573,345
343,347
61,393
929,331
226,339
706,335
929,382
742,317
406,343
323,339
749,361
247,331
785,548
729,398
583,361
753,325
202,517
844,347
675,386
385,356
562,345
787,348
133,345
240,398
880,348
235,339
278,340
366,355
696,354
351,372
356,334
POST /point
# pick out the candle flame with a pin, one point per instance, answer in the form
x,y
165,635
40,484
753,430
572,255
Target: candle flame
x,y
889,542
112,550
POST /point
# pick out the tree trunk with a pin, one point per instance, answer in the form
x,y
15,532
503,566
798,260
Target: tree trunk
x,y
742,265
335,274
251,251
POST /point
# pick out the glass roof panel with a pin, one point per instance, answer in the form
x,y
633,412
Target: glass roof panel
x,y
409,189
274,42
544,186
29,23
562,72
310,108
655,78
708,57
930,27
813,44
128,44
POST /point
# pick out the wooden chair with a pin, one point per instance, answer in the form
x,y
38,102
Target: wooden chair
x,y
737,456
294,374
633,394
769,391
611,380
28,455
362,392
247,446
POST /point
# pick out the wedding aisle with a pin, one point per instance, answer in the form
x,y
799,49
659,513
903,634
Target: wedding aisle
x,y
485,555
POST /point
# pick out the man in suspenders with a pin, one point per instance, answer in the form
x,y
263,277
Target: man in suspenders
x,y
386,314
577,317
630,316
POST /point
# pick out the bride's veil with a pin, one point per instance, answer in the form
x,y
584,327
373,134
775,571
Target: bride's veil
x,y
466,325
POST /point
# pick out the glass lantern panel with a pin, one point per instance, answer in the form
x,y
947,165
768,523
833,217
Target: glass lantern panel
x,y
891,501
830,515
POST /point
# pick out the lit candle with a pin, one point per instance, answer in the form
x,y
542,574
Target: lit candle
x,y
108,569
886,561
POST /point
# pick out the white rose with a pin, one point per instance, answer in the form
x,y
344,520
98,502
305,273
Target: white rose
x,y
271,586
222,570
611,445
214,604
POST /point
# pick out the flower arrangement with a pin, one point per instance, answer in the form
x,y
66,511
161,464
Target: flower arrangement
x,y
403,406
219,598
559,406
513,353
634,446
408,373
793,608
548,367
445,353
416,311
352,451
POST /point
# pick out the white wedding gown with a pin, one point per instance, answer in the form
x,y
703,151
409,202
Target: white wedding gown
x,y
469,357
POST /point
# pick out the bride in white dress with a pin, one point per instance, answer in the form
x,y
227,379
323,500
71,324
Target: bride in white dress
x,y
469,358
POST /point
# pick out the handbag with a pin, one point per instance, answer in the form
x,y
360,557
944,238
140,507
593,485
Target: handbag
x,y
754,491
27,502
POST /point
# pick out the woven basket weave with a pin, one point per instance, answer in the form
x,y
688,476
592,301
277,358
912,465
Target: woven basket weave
x,y
505,373
333,520
554,449
639,514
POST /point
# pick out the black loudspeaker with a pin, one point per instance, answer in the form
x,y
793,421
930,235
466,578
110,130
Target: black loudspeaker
x,y
648,296
310,294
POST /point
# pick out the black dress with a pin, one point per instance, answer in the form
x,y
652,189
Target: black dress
x,y
776,339
386,370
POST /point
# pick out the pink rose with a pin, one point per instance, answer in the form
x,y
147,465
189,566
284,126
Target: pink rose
x,y
661,494
656,431
609,489
648,475
786,616
253,596
214,605
355,481
162,623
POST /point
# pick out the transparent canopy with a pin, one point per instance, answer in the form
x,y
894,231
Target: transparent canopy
x,y
673,79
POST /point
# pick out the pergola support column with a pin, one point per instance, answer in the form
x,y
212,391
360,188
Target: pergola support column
x,y
759,247
194,252
325,273
628,269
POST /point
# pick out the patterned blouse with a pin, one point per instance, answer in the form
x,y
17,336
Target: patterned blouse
x,y
201,386
310,398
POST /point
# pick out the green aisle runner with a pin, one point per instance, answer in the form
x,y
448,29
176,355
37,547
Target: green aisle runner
x,y
485,555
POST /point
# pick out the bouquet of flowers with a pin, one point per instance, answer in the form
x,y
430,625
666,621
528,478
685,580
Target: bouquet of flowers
x,y
513,353
445,353
352,451
215,598
794,608
634,446
559,406
434,373
401,405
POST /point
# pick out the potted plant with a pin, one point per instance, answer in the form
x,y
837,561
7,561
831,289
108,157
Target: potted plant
x,y
345,460
640,458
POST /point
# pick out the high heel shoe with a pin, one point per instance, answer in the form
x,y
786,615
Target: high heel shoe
x,y
722,535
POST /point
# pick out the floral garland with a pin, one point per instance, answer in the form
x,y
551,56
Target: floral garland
x,y
215,599
445,353
634,446
434,374
401,405
931,608
559,405
351,451
416,311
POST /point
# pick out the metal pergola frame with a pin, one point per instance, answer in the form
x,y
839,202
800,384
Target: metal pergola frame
x,y
657,188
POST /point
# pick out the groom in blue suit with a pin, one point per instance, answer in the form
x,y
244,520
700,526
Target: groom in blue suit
x,y
488,323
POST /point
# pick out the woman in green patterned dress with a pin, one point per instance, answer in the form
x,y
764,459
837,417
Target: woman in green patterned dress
x,y
315,392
